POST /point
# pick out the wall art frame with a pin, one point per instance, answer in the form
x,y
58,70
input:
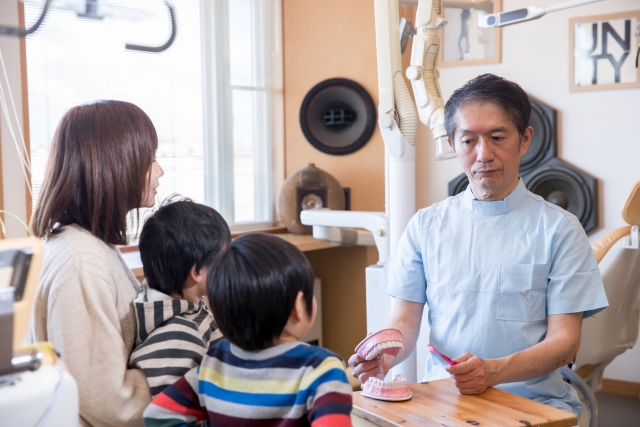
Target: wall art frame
x,y
603,51
463,42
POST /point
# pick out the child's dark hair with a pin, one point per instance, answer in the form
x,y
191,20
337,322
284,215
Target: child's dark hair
x,y
252,288
179,235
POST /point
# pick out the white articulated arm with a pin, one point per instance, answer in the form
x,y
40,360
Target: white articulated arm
x,y
396,111
374,222
501,19
423,73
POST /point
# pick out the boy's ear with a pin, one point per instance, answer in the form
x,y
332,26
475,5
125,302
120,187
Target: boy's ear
x,y
299,311
195,276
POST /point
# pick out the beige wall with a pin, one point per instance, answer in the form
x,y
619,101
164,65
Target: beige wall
x,y
322,40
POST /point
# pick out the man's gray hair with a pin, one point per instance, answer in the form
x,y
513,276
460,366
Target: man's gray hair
x,y
504,94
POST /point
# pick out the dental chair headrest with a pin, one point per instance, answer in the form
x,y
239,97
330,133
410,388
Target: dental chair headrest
x,y
631,215
631,207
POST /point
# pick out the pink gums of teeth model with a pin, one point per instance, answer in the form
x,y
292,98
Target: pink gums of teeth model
x,y
386,341
432,349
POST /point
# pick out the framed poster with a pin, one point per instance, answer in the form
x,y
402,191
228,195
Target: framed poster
x,y
603,51
463,42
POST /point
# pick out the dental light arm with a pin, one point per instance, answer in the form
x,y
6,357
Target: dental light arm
x,y
423,74
525,14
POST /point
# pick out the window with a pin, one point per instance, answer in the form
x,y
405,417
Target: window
x,y
214,96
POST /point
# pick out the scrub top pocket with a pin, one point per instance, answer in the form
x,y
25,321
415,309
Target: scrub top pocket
x,y
522,292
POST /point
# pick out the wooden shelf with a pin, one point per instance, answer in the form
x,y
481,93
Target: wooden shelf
x,y
305,243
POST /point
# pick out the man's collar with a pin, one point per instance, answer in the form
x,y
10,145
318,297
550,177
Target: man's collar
x,y
499,207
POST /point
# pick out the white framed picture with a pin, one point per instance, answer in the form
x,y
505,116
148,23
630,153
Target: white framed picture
x,y
604,51
463,41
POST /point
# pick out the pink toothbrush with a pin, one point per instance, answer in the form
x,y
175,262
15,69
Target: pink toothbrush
x,y
432,349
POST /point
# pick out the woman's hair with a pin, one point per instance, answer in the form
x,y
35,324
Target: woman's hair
x,y
97,170
179,235
252,287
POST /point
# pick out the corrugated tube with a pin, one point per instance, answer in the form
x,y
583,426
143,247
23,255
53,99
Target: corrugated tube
x,y
429,71
406,114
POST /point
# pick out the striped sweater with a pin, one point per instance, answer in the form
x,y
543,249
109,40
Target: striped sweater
x,y
293,384
172,335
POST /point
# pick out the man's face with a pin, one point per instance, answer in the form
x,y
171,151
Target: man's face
x,y
489,148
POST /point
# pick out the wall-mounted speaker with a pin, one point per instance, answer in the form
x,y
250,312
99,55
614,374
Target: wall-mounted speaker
x,y
458,185
338,116
549,177
568,187
543,144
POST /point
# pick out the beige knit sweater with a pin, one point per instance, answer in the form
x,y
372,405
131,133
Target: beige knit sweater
x,y
83,306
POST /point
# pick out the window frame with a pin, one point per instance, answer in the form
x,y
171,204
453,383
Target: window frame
x,y
218,129
218,121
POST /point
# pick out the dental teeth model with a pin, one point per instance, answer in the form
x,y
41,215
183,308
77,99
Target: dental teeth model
x,y
395,390
386,341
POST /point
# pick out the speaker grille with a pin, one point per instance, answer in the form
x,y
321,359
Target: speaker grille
x,y
338,116
543,143
458,185
567,187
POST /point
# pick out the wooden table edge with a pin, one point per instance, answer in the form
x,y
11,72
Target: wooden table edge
x,y
569,420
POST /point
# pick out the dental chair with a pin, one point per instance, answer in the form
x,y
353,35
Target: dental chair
x,y
614,330
35,388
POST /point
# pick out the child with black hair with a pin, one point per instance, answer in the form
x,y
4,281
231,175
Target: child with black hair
x,y
261,294
174,327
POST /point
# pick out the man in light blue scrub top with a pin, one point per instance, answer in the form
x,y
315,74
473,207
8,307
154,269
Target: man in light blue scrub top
x,y
507,276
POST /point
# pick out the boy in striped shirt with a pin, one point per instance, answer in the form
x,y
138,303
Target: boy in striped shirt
x,y
261,293
174,328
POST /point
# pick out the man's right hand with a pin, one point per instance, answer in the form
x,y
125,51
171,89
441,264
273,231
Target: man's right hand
x,y
406,316
364,369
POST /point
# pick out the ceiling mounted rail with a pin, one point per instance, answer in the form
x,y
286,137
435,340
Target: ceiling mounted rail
x,y
22,32
157,49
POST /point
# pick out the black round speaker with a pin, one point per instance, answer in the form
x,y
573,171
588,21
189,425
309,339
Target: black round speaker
x,y
338,116
458,185
567,187
543,143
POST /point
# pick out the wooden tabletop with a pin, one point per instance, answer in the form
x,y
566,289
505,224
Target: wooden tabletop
x,y
439,403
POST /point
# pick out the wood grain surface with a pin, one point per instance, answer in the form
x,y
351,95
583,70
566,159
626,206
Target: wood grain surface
x,y
439,403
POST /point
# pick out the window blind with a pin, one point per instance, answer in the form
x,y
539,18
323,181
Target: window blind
x,y
73,60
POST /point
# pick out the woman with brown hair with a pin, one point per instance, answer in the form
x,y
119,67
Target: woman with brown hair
x,y
101,167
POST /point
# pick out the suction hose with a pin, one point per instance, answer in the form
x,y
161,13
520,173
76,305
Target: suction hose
x,y
436,122
406,114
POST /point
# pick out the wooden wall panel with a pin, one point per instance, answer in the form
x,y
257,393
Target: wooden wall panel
x,y
322,40
341,270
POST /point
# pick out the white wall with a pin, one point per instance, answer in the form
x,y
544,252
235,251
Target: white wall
x,y
598,130
13,183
